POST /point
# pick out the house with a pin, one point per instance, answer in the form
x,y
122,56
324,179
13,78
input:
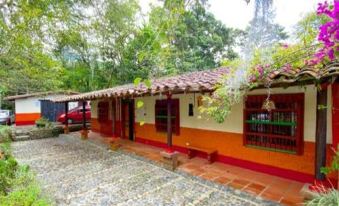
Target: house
x,y
293,140
32,106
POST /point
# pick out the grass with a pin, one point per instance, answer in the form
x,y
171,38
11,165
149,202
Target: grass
x,y
329,198
18,186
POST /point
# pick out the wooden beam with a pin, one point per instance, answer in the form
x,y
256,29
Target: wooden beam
x,y
84,126
321,128
84,131
66,128
169,120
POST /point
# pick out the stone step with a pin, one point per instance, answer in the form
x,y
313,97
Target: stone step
x,y
21,137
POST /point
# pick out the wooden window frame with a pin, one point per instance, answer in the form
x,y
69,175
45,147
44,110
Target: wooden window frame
x,y
281,129
161,119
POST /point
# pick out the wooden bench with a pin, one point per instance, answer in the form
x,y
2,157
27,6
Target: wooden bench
x,y
211,153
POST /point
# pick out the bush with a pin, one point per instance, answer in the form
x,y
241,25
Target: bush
x,y
8,166
5,134
328,198
43,122
25,190
17,183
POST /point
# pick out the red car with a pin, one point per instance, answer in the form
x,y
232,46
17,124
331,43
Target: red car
x,y
75,115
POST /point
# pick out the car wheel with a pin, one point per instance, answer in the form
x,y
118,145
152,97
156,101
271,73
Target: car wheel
x,y
9,122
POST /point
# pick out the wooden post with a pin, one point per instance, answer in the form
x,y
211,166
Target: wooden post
x,y
66,128
321,128
169,121
84,132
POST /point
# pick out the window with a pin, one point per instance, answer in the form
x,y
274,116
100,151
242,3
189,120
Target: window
x,y
161,115
103,111
280,129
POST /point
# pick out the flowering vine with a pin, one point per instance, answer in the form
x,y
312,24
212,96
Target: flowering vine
x,y
280,57
328,33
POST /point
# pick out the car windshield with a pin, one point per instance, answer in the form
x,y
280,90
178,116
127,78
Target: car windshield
x,y
4,113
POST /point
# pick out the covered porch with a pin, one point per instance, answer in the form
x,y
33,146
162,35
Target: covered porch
x,y
258,184
116,113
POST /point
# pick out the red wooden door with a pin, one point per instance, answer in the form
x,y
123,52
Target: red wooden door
x,y
125,123
335,114
127,119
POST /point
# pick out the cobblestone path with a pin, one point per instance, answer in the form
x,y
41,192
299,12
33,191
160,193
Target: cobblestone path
x,y
76,172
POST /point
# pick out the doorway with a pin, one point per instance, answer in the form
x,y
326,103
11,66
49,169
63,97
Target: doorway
x,y
128,119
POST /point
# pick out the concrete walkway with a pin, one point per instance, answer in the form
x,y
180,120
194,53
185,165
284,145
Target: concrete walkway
x,y
76,172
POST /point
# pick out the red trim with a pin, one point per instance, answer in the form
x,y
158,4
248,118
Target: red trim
x,y
335,115
20,123
289,174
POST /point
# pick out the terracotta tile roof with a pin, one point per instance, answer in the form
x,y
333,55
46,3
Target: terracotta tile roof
x,y
204,81
194,81
39,94
308,73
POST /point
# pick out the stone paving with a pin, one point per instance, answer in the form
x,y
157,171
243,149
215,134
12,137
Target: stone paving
x,y
76,172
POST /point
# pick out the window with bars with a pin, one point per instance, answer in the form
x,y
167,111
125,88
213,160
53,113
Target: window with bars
x,y
280,129
161,116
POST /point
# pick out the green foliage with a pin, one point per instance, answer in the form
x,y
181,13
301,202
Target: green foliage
x,y
262,62
334,165
17,184
43,122
227,93
5,134
329,198
85,45
26,64
8,166
140,104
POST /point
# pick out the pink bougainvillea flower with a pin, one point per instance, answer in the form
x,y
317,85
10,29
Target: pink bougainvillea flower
x,y
328,33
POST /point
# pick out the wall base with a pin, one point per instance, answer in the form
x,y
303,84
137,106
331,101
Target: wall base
x,y
289,174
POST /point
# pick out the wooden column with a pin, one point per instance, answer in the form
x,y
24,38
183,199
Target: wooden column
x,y
169,120
84,126
321,128
66,128
84,132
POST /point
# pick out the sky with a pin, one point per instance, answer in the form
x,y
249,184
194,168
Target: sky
x,y
237,14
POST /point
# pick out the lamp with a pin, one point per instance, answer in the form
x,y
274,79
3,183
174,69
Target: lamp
x,y
268,105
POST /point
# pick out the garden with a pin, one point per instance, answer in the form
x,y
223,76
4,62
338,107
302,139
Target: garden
x,y
18,185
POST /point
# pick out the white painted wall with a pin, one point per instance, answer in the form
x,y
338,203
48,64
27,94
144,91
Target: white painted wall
x,y
234,122
27,105
32,104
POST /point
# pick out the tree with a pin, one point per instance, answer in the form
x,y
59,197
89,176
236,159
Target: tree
x,y
27,31
180,36
262,32
96,42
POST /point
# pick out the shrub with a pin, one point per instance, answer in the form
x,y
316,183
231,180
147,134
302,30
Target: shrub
x,y
43,122
25,190
328,198
18,186
5,134
8,166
